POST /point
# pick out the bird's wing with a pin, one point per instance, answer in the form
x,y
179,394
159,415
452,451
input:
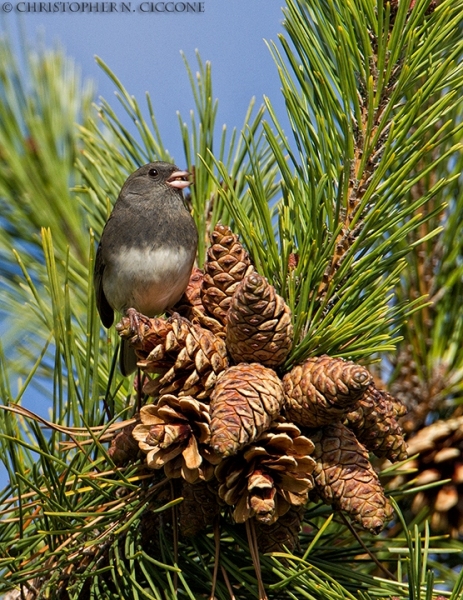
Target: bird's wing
x,y
104,309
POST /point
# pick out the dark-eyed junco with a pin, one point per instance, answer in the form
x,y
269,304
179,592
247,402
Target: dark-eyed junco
x,y
147,248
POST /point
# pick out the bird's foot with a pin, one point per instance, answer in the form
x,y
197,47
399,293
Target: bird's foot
x,y
132,326
136,321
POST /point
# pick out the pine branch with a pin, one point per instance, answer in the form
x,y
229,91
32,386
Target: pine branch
x,y
361,134
328,217
38,149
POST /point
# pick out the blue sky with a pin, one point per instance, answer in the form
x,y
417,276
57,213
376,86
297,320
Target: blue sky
x,y
143,49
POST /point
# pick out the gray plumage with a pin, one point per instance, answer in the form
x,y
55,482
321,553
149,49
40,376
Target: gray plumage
x,y
147,248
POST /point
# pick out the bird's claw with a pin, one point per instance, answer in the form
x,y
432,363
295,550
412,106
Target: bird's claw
x,y
132,326
137,325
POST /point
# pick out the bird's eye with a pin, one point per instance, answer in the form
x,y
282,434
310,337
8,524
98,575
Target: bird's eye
x,y
153,172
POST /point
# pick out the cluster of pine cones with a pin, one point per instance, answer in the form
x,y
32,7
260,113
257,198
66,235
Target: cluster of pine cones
x,y
234,429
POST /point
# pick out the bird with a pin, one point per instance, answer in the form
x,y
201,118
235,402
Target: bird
x,y
147,249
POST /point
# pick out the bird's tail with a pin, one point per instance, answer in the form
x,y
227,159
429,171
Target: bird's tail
x,y
127,359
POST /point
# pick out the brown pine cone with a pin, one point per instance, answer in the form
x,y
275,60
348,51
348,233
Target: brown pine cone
x,y
199,508
149,338
192,295
202,318
440,448
124,448
283,534
259,327
227,263
187,356
323,389
245,400
419,394
269,476
345,478
156,524
174,434
191,307
375,425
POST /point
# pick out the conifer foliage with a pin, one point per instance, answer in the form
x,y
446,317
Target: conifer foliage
x,y
243,460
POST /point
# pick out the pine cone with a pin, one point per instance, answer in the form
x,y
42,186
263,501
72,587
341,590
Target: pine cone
x,y
440,448
345,478
192,295
283,534
124,448
202,318
375,425
188,357
191,307
174,434
150,335
157,524
259,325
418,395
226,265
245,400
269,476
323,389
199,508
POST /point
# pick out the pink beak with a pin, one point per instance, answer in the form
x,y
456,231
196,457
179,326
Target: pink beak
x,y
179,180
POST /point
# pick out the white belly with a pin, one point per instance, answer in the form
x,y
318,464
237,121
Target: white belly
x,y
148,280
